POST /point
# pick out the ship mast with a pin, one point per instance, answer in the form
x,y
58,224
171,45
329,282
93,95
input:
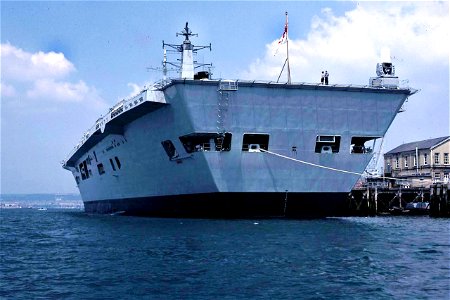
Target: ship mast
x,y
187,59
187,50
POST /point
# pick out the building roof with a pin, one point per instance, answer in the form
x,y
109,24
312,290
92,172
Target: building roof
x,y
425,144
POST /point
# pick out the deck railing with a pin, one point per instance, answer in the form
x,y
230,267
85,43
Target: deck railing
x,y
114,112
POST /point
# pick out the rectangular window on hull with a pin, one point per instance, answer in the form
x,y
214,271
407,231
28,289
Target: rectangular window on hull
x,y
253,142
101,169
84,170
223,142
118,162
362,144
112,164
206,141
83,175
169,147
327,143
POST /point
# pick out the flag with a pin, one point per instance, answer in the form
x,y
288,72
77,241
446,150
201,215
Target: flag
x,y
283,38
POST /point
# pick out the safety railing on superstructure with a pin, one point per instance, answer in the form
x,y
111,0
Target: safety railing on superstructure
x,y
115,111
230,83
162,84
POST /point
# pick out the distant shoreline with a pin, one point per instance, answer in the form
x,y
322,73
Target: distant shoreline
x,y
40,201
40,196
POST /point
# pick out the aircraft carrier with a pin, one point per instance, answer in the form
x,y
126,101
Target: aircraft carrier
x,y
202,147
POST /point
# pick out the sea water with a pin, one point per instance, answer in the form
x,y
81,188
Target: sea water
x,y
67,254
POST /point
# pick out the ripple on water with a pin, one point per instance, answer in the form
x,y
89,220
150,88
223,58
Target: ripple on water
x,y
74,255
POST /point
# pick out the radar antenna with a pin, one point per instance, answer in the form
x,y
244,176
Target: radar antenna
x,y
186,64
385,73
187,32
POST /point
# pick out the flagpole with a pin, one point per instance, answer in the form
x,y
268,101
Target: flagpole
x,y
287,50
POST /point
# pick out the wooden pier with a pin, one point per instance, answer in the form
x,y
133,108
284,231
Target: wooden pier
x,y
439,200
375,200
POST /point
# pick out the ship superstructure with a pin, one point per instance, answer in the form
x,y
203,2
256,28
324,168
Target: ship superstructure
x,y
202,147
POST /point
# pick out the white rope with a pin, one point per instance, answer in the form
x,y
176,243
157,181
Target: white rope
x,y
323,167
312,164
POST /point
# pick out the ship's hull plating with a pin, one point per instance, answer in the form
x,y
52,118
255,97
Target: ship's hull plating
x,y
129,169
228,205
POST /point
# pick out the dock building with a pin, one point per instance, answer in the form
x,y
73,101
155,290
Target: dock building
x,y
421,163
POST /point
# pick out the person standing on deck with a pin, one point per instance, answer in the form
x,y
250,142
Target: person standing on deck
x,y
326,77
322,78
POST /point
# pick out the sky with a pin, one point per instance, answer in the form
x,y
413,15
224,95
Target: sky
x,y
63,64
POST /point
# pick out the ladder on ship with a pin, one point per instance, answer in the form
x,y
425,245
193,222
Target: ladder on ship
x,y
225,89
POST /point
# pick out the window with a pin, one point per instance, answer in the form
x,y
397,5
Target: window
x,y
425,159
112,164
206,141
405,159
101,169
388,168
436,158
445,158
170,149
117,111
362,144
84,170
437,176
223,142
253,142
414,161
327,143
396,163
118,162
83,175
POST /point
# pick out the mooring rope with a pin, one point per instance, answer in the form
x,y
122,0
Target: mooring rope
x,y
322,166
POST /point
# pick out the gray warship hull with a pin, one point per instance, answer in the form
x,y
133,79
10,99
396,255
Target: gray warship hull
x,y
211,148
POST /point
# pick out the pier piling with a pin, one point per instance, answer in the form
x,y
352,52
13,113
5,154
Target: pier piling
x,y
439,200
375,200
